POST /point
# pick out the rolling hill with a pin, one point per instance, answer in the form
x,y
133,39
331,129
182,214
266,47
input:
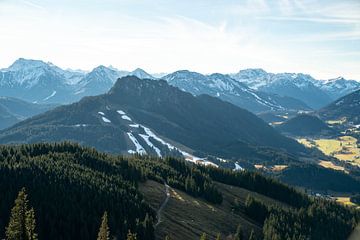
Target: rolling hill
x,y
305,125
147,116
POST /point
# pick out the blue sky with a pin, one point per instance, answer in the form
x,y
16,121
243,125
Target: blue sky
x,y
317,37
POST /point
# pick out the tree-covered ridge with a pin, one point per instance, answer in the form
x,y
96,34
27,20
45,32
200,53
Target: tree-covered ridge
x,y
70,189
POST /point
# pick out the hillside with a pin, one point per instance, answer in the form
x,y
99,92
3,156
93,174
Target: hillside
x,y
347,107
305,125
71,187
14,110
319,179
147,116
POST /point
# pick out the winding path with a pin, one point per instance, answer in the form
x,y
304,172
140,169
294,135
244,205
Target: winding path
x,y
158,212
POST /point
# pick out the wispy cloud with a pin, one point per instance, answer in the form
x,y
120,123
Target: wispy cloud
x,y
33,4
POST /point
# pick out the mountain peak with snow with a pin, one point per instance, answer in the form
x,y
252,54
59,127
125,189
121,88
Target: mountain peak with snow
x,y
142,74
22,63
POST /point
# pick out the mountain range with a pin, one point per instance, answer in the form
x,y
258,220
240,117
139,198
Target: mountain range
x,y
228,89
253,89
315,93
146,116
40,82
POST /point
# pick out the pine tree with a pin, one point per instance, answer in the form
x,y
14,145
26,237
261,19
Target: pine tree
x,y
203,236
148,227
218,236
104,233
131,236
16,230
30,225
239,233
252,235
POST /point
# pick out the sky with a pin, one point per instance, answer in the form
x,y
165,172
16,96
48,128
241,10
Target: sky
x,y
319,37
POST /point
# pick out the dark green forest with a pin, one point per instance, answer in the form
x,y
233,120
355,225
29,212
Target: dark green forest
x,y
70,188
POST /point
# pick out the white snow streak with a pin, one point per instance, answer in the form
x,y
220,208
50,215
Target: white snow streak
x,y
125,117
139,148
148,142
48,97
106,120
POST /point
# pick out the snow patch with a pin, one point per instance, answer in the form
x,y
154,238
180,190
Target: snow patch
x,y
125,117
134,125
148,142
101,113
238,167
106,120
120,112
139,148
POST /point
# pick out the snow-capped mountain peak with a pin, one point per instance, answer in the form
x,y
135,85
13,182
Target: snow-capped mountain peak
x,y
140,73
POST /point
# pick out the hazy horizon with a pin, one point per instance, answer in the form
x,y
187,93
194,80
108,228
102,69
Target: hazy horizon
x,y
320,38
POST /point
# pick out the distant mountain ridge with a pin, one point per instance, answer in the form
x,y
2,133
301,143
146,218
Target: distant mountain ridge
x,y
228,89
253,89
315,93
347,108
40,82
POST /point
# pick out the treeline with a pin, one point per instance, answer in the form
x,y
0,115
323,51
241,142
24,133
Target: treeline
x,y
322,219
258,183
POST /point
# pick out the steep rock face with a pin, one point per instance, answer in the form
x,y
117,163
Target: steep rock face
x,y
146,116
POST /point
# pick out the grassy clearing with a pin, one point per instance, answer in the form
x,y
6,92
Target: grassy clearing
x,y
328,164
336,122
185,217
346,201
344,148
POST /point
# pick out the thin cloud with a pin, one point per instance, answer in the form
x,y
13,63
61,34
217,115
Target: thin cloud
x,y
33,4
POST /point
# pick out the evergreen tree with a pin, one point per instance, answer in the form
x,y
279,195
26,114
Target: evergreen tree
x,y
16,230
218,236
252,235
30,225
148,228
104,233
203,236
239,233
131,236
